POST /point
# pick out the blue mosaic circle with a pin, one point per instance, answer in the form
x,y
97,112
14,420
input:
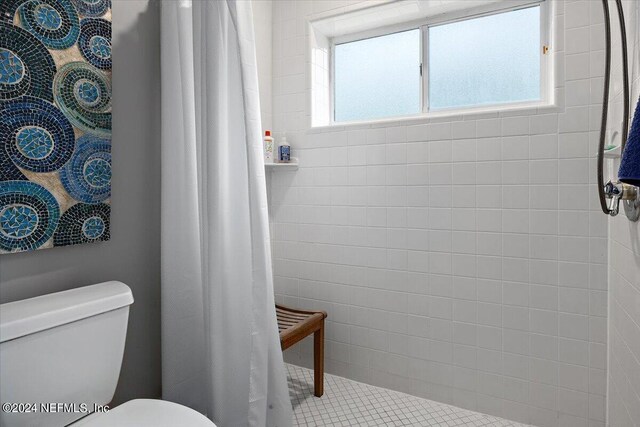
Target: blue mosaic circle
x,y
87,176
29,215
47,17
93,227
83,93
92,7
87,92
26,66
35,135
97,172
83,223
18,220
11,67
100,47
34,142
54,22
95,42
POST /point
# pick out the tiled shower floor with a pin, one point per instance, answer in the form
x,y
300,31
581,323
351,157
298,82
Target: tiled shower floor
x,y
349,403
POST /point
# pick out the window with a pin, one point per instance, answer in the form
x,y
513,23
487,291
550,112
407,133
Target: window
x,y
488,60
377,77
492,56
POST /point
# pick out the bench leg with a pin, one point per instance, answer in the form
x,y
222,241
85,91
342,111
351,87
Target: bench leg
x,y
318,361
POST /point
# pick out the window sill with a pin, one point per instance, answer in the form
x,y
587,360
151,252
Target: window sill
x,y
445,115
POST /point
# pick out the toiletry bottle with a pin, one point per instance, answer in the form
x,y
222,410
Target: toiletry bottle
x,y
284,151
268,147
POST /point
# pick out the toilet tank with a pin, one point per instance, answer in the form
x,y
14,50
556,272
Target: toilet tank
x,y
60,354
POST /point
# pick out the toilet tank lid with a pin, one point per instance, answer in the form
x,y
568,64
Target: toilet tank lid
x,y
20,318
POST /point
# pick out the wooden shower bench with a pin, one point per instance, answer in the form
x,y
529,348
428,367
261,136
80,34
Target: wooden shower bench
x,y
295,325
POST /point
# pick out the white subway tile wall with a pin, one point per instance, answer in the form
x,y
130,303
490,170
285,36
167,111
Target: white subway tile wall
x,y
461,259
623,399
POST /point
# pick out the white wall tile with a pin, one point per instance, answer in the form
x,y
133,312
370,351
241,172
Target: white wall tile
x,y
472,245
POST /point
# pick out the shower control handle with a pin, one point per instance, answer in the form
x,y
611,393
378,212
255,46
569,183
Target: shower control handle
x,y
617,191
613,192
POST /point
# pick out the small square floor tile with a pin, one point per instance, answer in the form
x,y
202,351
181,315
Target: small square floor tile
x,y
350,403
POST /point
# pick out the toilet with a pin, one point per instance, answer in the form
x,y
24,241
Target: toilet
x,y
60,357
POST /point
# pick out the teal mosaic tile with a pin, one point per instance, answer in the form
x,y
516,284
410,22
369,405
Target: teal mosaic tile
x,y
83,93
26,66
29,215
35,135
92,8
54,22
95,42
87,176
83,223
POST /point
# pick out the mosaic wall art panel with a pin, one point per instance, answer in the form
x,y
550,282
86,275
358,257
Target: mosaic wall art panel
x,y
55,123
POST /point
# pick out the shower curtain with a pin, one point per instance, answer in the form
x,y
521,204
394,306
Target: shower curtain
x,y
220,346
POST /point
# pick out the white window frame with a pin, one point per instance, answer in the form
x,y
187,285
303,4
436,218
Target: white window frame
x,y
546,69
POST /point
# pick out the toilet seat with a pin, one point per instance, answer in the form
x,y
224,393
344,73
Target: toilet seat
x,y
146,413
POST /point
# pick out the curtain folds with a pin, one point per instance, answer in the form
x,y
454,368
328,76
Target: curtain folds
x,y
220,346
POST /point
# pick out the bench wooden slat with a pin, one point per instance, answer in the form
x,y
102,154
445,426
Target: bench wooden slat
x,y
284,315
299,316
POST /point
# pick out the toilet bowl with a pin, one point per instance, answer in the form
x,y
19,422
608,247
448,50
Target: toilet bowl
x,y
146,413
65,349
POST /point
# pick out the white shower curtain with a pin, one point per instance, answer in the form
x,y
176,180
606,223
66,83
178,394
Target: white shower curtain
x,y
220,347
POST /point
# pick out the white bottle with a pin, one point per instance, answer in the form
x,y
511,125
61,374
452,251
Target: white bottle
x,y
268,147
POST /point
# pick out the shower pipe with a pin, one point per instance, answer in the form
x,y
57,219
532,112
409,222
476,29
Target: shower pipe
x,y
615,191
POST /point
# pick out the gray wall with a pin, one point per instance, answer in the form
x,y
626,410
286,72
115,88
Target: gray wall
x,y
133,254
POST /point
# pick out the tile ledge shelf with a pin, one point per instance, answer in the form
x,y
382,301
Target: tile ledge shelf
x,y
289,166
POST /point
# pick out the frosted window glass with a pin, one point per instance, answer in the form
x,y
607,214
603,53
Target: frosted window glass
x,y
487,60
377,77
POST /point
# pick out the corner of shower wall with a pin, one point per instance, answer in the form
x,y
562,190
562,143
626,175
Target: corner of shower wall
x,y
623,373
